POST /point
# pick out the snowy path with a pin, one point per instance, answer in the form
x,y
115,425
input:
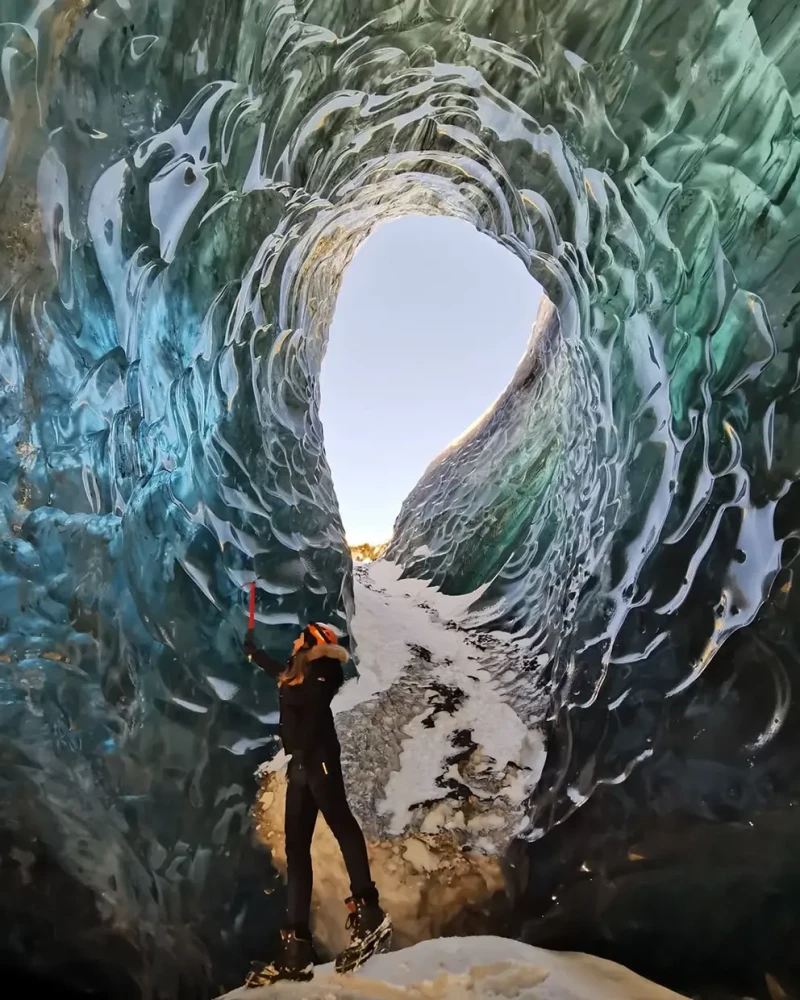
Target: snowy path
x,y
447,696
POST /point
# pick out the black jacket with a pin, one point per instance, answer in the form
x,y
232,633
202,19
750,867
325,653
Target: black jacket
x,y
306,719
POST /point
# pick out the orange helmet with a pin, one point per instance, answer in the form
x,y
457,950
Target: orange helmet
x,y
315,635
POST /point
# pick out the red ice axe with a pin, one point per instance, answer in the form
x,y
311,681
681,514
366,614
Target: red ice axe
x,y
251,622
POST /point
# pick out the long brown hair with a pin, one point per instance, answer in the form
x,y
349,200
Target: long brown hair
x,y
296,668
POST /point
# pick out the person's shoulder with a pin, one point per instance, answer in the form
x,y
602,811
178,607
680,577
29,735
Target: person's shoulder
x,y
327,666
322,653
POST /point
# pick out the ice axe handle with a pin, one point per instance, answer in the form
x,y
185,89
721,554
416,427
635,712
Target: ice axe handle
x,y
251,622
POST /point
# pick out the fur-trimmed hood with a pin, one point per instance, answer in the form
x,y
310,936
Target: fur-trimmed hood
x,y
333,652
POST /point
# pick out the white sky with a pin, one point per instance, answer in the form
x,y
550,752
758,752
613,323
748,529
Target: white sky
x,y
430,323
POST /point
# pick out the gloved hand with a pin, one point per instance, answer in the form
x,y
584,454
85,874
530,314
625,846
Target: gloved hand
x,y
248,646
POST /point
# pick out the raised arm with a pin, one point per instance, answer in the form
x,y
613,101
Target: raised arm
x,y
261,659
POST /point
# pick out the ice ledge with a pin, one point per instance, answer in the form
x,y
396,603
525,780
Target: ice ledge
x,y
467,967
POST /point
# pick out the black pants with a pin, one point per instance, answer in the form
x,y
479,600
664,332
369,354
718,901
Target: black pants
x,y
312,789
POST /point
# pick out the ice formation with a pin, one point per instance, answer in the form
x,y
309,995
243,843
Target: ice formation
x,y
183,182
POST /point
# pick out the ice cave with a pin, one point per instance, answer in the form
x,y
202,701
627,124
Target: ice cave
x,y
579,639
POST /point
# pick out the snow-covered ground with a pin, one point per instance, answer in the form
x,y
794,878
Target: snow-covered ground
x,y
409,641
392,614
483,968
441,750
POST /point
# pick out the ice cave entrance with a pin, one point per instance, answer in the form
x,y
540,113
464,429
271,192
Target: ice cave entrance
x,y
431,320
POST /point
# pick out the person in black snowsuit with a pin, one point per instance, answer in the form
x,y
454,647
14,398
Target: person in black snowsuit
x,y
307,685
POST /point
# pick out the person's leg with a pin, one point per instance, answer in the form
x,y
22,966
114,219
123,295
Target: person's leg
x,y
370,928
327,787
300,820
296,960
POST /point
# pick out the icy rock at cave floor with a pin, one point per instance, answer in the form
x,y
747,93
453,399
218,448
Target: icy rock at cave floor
x,y
483,968
440,750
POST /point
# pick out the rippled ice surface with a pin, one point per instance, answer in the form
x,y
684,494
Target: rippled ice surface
x,y
182,186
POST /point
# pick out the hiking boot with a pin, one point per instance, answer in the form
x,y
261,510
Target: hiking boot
x,y
365,916
370,931
295,964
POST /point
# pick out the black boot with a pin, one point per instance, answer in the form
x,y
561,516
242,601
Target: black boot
x,y
370,931
295,964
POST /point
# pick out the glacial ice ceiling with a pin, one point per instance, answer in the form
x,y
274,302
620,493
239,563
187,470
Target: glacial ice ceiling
x,y
182,186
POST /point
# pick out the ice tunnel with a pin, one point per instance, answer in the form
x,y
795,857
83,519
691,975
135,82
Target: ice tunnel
x,y
182,183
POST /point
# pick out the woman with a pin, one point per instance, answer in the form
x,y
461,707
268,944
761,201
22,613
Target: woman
x,y
307,685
